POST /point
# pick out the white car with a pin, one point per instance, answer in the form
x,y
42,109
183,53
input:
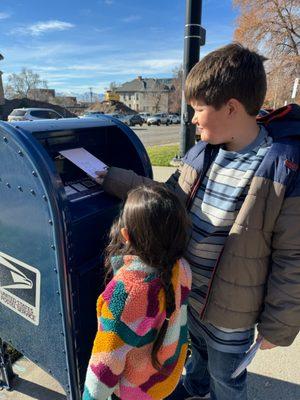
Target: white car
x,y
92,114
31,114
145,116
157,119
174,119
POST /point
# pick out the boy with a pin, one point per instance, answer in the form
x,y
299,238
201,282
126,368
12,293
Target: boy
x,y
241,187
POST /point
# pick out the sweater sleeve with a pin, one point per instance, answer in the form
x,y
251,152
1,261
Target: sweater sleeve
x,y
118,182
116,336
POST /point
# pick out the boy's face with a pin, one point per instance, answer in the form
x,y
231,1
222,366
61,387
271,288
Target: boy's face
x,y
212,124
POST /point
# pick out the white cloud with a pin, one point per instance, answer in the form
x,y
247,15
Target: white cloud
x,y
136,64
148,62
109,2
103,30
4,15
131,18
70,66
54,54
160,64
42,27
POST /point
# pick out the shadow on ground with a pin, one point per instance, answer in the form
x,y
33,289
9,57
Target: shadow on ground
x,y
22,388
259,388
264,388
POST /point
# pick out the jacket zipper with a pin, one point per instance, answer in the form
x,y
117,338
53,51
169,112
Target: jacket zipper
x,y
210,285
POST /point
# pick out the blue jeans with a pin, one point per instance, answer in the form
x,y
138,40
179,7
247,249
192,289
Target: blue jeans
x,y
209,370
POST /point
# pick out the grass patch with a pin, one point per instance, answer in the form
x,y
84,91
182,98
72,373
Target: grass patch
x,y
162,155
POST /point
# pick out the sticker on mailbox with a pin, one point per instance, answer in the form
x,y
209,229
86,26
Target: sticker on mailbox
x,y
20,287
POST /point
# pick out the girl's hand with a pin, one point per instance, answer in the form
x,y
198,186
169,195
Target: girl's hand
x,y
265,344
100,176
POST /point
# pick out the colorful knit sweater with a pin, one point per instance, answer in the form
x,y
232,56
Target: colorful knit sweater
x,y
130,312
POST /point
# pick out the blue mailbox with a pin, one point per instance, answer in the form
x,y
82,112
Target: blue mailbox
x,y
53,227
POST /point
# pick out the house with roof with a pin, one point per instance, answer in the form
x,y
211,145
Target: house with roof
x,y
146,94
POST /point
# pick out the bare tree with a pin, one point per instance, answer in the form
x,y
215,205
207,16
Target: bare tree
x,y
273,28
89,97
8,92
176,91
156,99
280,83
20,84
113,86
159,96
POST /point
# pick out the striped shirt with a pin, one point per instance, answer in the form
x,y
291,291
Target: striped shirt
x,y
214,210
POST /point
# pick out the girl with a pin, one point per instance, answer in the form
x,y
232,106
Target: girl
x,y
141,344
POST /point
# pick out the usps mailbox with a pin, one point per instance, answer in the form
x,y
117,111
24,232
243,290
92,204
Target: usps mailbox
x,y
53,226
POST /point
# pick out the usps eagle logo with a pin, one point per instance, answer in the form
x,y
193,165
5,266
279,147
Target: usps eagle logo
x,y
13,278
20,287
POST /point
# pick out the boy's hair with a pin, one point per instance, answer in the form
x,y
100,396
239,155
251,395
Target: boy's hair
x,y
157,225
230,72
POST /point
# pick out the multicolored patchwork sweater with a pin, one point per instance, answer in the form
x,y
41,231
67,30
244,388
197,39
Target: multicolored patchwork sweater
x,y
130,312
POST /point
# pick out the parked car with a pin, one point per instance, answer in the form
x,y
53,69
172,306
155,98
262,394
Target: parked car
x,y
98,114
132,120
145,116
31,114
157,119
174,119
92,114
114,115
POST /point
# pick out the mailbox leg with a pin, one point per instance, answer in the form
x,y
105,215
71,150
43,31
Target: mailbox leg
x,y
6,371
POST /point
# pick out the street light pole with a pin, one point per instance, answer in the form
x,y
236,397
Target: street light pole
x,y
2,98
194,37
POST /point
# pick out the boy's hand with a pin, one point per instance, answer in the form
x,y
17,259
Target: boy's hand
x,y
265,344
100,176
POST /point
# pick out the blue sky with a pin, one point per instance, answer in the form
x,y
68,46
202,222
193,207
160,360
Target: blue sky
x,y
78,44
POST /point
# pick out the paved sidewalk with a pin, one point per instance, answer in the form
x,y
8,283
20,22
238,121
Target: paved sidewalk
x,y
161,174
273,374
32,383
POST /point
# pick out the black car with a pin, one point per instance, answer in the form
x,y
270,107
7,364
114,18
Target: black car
x,y
132,120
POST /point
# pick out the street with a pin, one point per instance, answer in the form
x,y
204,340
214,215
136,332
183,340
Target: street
x,y
157,135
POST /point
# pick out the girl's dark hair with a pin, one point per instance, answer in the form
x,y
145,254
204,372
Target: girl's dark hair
x,y
157,225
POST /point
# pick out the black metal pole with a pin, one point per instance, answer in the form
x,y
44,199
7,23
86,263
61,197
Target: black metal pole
x,y
194,37
6,372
